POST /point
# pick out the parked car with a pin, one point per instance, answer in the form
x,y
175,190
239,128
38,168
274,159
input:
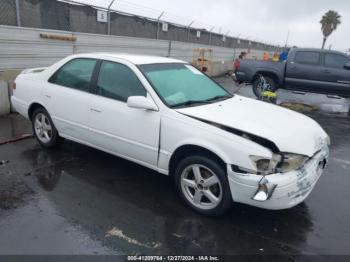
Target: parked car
x,y
166,115
306,69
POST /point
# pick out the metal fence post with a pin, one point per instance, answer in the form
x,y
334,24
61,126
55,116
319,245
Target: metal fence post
x,y
210,34
18,14
188,31
169,48
74,46
158,24
109,17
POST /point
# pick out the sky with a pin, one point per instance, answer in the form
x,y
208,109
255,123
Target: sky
x,y
267,21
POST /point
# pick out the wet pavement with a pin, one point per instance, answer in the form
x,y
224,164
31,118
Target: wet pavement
x,y
13,127
78,200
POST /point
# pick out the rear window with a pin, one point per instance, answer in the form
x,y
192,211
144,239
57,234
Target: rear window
x,y
307,57
76,74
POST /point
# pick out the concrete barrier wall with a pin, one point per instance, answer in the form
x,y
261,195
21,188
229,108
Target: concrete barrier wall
x,y
4,98
24,48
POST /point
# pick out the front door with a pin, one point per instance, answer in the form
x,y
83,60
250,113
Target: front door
x,y
128,132
335,74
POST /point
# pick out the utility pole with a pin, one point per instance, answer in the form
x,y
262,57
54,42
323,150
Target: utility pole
x,y
188,31
18,14
211,30
109,17
158,23
287,38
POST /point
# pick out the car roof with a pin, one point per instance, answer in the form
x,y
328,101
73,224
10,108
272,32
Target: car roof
x,y
133,58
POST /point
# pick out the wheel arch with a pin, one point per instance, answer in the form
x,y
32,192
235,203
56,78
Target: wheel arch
x,y
33,106
191,149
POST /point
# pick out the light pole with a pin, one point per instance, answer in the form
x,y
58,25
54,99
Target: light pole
x,y
158,23
188,31
287,38
109,17
211,30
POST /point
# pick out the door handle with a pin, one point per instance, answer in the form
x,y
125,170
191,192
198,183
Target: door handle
x,y
48,96
326,71
95,110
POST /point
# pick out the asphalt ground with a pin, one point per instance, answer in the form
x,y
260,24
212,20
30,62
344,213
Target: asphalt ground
x,y
78,200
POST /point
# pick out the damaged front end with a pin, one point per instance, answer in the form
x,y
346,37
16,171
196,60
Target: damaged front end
x,y
297,145
278,190
265,190
279,182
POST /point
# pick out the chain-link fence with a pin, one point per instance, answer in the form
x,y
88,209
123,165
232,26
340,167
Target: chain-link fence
x,y
75,17
8,12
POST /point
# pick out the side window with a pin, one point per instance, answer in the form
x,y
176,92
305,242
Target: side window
x,y
117,81
307,57
76,74
336,61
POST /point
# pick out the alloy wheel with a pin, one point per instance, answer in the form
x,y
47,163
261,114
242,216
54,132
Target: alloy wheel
x,y
201,186
43,128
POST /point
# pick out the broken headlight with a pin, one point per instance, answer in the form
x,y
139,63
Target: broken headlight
x,y
266,166
278,163
291,162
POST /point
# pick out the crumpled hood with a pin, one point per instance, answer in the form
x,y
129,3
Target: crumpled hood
x,y
291,132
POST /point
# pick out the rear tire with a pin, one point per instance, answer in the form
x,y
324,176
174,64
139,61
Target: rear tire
x,y
203,185
44,129
257,85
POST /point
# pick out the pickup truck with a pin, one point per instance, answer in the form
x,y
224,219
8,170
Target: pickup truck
x,y
306,70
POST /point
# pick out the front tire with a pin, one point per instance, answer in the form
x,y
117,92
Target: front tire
x,y
257,85
203,185
44,129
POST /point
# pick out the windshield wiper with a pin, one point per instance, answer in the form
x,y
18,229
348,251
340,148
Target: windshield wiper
x,y
189,102
206,101
217,98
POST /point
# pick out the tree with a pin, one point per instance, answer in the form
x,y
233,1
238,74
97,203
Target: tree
x,y
329,23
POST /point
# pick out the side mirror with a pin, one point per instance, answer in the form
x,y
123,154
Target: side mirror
x,y
347,66
141,102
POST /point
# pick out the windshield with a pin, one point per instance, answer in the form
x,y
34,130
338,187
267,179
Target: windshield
x,y
183,85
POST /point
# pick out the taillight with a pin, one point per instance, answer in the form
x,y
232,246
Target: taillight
x,y
237,64
14,86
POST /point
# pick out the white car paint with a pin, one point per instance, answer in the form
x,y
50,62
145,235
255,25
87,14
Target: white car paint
x,y
150,138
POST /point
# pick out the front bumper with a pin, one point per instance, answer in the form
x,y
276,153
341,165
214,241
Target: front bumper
x,y
240,77
290,189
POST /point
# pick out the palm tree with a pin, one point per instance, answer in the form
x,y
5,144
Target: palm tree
x,y
329,22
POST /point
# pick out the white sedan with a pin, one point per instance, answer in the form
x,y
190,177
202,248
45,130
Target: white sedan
x,y
166,115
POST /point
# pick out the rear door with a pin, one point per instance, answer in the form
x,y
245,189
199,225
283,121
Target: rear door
x,y
115,127
67,98
335,74
303,72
